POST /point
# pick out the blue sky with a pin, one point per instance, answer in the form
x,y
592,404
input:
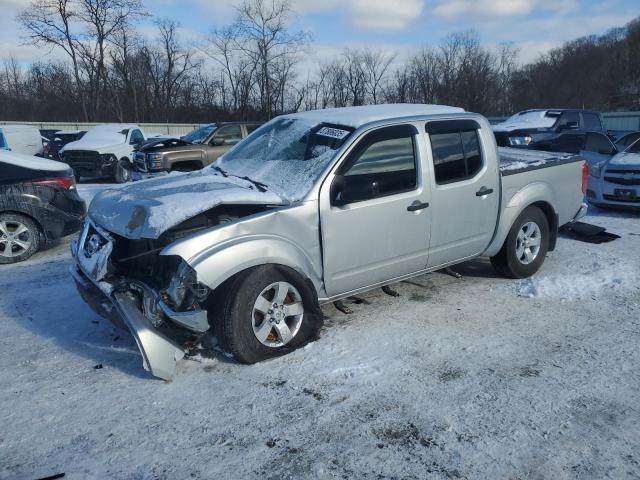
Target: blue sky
x,y
398,26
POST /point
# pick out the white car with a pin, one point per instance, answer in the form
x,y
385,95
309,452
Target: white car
x,y
25,139
614,172
104,151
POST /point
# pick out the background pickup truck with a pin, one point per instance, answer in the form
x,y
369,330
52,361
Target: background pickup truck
x,y
197,149
550,130
103,151
315,207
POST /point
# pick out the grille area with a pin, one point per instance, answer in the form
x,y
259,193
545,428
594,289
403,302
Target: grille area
x,y
622,181
82,159
139,162
614,198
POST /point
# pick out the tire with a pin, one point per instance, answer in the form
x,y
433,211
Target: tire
x,y
519,257
22,245
122,175
239,323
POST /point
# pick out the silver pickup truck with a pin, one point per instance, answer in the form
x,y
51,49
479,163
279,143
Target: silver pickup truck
x,y
311,208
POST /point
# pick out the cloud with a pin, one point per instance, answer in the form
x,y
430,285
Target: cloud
x,y
383,15
370,15
452,9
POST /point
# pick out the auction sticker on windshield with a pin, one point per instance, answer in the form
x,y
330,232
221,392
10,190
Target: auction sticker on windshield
x,y
333,132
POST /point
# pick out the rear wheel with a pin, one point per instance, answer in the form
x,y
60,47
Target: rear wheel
x,y
123,174
19,238
267,312
526,245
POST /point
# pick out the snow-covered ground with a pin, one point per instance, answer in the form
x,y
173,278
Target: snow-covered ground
x,y
481,377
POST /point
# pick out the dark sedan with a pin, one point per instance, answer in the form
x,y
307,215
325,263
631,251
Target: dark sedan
x,y
38,203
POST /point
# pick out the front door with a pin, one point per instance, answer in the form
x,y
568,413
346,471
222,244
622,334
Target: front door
x,y
222,140
374,212
465,191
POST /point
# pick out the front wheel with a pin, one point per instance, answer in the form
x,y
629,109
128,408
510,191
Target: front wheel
x,y
123,174
267,312
526,245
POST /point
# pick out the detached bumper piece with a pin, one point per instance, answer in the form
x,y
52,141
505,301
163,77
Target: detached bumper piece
x,y
161,349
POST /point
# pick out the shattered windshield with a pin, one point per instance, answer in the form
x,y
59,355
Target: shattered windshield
x,y
286,155
199,134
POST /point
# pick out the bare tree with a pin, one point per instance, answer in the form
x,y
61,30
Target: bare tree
x,y
49,23
375,66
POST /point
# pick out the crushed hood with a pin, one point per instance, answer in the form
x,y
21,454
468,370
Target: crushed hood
x,y
148,208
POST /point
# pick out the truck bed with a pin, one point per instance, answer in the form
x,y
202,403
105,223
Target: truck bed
x,y
518,160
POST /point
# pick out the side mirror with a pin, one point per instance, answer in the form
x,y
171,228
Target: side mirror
x,y
335,192
218,142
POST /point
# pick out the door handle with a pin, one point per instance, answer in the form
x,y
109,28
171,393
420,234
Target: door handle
x,y
484,191
417,205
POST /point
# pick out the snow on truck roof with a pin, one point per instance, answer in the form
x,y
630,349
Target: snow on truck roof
x,y
358,116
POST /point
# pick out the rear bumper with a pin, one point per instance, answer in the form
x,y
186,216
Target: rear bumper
x,y
581,212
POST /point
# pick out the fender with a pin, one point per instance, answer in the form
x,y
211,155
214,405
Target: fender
x,y
536,192
220,253
229,258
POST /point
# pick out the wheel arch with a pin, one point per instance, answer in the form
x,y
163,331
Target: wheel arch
x,y
537,194
213,268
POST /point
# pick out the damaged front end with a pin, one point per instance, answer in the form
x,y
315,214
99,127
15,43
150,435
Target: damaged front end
x,y
158,298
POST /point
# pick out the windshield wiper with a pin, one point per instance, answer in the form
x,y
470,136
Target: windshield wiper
x,y
221,170
262,187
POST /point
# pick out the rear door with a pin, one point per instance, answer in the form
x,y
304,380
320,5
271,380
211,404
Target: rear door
x,y
465,191
374,216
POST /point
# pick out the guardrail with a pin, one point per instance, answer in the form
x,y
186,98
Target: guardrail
x,y
149,128
612,120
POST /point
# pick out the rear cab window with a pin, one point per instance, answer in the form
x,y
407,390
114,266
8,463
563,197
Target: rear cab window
x,y
592,121
456,151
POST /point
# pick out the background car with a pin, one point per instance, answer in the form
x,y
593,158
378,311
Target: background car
x,y
104,151
59,139
558,130
614,172
21,139
193,151
38,203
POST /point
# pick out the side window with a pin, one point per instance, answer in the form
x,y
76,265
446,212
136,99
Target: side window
x,y
136,137
629,139
456,155
382,164
591,121
231,134
596,142
569,120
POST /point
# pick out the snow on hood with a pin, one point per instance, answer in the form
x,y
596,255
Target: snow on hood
x,y
626,159
34,163
537,119
148,208
99,137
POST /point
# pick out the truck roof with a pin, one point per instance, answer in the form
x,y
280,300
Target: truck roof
x,y
358,116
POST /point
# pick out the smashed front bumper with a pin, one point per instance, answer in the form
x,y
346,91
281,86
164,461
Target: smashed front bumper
x,y
136,307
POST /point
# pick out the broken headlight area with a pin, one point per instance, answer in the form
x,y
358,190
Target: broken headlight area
x,y
165,287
